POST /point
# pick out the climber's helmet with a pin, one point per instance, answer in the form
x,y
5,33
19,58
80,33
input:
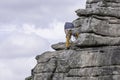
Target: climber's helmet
x,y
68,26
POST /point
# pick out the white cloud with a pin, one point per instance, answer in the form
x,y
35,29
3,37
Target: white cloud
x,y
18,44
16,69
5,72
38,12
54,31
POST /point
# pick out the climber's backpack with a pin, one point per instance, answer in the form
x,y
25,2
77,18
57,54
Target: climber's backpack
x,y
68,25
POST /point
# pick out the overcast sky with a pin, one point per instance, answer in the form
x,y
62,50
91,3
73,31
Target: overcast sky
x,y
27,29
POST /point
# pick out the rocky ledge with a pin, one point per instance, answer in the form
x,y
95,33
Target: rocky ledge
x,y
100,63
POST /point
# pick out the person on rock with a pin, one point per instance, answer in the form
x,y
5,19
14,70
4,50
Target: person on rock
x,y
68,27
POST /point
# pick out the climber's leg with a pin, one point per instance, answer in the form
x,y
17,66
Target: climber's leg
x,y
67,41
68,37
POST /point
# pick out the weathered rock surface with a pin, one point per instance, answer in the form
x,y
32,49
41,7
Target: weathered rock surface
x,y
101,18
99,11
86,39
101,63
104,26
94,55
59,46
113,4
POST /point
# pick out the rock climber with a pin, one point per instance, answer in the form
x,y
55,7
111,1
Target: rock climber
x,y
68,27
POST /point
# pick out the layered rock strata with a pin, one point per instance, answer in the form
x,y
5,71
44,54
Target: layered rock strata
x,y
95,55
101,63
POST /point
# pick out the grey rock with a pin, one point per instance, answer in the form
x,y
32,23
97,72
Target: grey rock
x,y
111,4
104,26
78,22
91,39
43,76
86,39
95,71
59,46
100,63
63,47
101,4
99,11
95,58
96,4
94,78
95,1
59,76
44,57
62,66
45,67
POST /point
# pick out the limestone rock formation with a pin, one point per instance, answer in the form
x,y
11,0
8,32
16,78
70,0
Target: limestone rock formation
x,y
100,63
95,55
